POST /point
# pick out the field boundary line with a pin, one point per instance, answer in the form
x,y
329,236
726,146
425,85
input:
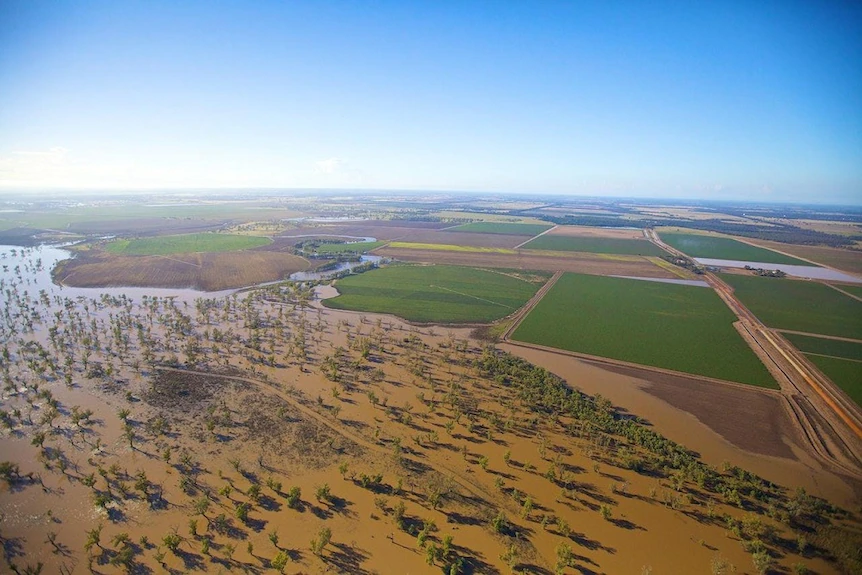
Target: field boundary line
x,y
471,296
832,356
811,334
531,303
537,236
817,264
847,293
180,261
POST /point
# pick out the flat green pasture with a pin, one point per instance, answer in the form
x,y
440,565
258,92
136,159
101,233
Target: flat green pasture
x,y
845,373
678,327
799,305
184,244
823,346
439,294
356,247
855,290
502,228
703,246
594,245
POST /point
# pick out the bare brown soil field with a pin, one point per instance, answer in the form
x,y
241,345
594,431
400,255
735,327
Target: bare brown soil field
x,y
203,271
637,392
464,239
838,258
596,232
750,419
571,262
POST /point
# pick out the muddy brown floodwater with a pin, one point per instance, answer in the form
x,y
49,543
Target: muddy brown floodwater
x,y
722,424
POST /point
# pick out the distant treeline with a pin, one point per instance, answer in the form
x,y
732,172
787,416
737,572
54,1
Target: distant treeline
x,y
777,232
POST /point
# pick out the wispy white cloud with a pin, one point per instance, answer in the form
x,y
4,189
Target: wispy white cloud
x,y
330,166
33,164
337,171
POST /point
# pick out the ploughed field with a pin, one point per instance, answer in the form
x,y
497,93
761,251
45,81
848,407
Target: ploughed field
x,y
444,294
501,228
581,262
704,246
840,360
202,271
450,248
799,305
677,327
596,245
467,239
185,244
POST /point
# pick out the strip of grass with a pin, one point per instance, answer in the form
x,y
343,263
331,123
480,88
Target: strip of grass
x,y
439,294
823,346
356,247
677,327
799,305
702,246
501,228
595,245
845,373
185,244
449,248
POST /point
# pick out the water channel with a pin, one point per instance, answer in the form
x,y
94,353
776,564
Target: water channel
x,y
808,272
30,268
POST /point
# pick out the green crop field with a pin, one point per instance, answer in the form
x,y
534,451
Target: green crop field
x,y
684,328
502,228
855,290
799,305
444,294
823,346
184,244
356,247
845,373
702,246
594,245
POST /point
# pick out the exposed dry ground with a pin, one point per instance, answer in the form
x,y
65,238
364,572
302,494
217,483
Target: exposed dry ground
x,y
464,239
206,271
570,262
382,230
750,419
596,232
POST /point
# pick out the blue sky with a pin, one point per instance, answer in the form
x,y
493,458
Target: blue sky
x,y
759,100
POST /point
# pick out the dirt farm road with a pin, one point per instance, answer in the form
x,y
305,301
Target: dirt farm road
x,y
829,421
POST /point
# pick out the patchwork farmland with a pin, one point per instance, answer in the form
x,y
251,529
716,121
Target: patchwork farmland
x,y
681,328
714,247
799,305
440,294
